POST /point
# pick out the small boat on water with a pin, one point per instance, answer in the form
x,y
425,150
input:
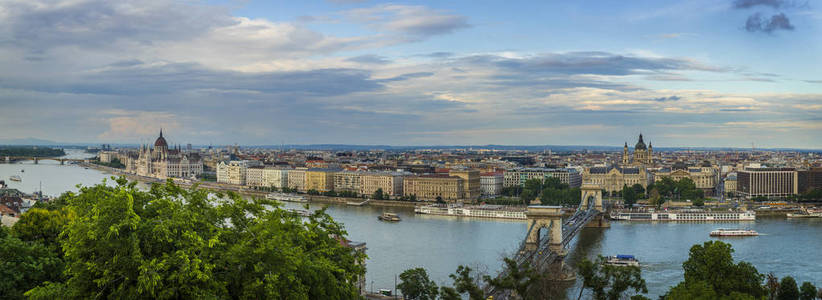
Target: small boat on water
x,y
806,213
23,171
15,178
621,260
734,232
389,217
286,197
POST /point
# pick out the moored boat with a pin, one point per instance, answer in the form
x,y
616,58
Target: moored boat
x,y
286,197
734,232
622,260
389,217
15,178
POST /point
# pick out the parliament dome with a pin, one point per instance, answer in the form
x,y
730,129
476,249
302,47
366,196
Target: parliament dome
x,y
161,141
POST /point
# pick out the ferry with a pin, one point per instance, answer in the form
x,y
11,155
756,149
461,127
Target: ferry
x,y
389,217
286,197
684,216
806,213
621,260
734,232
15,178
480,211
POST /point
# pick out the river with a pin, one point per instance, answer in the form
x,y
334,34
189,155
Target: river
x,y
440,243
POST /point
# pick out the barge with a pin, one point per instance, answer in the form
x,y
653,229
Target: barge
x,y
733,232
479,211
684,216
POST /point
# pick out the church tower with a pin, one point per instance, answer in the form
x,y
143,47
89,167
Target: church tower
x,y
650,154
625,159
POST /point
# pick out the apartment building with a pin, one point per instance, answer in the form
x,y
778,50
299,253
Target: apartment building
x,y
391,183
429,187
518,176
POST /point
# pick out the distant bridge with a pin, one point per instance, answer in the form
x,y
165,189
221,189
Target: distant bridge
x,y
547,255
37,159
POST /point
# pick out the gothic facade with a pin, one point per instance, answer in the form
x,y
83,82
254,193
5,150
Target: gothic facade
x,y
162,162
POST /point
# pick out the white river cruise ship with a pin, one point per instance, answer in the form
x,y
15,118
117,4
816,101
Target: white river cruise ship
x,y
481,211
684,216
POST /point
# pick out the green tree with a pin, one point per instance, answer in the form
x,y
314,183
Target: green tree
x,y
378,194
807,291
464,282
699,202
629,195
169,242
712,263
527,196
24,265
517,278
610,282
42,225
772,285
415,284
787,289
639,191
449,293
655,199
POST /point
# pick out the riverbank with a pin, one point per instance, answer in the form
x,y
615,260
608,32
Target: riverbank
x,y
219,187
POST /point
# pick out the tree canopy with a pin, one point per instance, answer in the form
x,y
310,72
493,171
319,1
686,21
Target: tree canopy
x,y
169,242
415,285
608,282
710,270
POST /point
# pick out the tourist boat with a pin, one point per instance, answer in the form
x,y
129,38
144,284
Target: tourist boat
x,y
389,217
15,178
23,171
734,232
684,216
806,213
621,260
286,197
479,211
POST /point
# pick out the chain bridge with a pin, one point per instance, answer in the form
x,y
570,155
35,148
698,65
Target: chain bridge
x,y
547,254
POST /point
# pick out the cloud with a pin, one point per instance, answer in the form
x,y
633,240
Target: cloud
x,y
408,76
669,98
742,4
370,59
415,22
133,125
162,78
592,63
758,23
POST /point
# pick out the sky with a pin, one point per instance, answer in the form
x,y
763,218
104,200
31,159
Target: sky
x,y
712,73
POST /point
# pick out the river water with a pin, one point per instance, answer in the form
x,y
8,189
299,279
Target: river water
x,y
440,244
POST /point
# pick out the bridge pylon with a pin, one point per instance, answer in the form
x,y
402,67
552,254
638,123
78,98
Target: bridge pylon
x,y
539,217
591,191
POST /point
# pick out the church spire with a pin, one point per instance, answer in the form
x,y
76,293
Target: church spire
x,y
161,133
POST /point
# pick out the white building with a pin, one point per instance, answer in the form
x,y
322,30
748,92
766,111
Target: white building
x,y
275,177
235,171
491,184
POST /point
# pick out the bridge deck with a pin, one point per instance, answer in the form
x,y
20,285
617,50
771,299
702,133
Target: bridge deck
x,y
544,255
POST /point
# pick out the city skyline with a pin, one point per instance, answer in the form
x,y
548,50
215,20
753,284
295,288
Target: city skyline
x,y
685,74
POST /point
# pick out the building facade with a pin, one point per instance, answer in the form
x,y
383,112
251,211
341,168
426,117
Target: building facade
x,y
321,180
429,187
518,176
809,179
767,182
162,162
296,179
275,177
705,178
348,181
613,178
491,184
391,183
470,184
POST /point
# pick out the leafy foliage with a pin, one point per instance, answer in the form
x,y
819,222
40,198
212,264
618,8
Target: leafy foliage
x,y
787,289
610,282
24,265
174,243
416,285
516,278
710,270
807,291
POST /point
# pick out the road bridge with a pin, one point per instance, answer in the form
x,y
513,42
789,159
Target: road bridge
x,y
37,159
547,255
